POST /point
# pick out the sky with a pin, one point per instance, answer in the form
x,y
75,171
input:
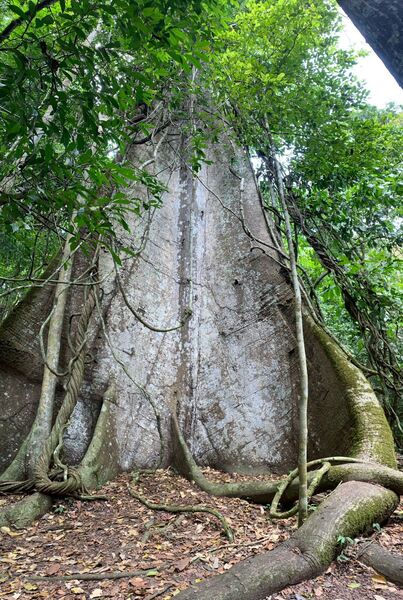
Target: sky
x,y
381,84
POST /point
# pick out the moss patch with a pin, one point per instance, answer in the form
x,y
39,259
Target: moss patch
x,y
371,437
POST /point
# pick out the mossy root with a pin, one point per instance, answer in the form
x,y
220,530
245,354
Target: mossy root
x,y
351,509
22,513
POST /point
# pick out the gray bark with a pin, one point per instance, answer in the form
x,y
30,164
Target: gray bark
x,y
233,367
381,23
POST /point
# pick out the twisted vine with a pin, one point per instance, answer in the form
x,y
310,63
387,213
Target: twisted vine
x,y
45,478
72,480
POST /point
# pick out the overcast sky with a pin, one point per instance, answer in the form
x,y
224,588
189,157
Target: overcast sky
x,y
382,86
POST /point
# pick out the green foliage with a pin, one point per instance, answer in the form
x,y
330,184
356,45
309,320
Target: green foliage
x,y
60,509
350,202
74,79
345,543
24,256
281,64
331,301
80,82
286,86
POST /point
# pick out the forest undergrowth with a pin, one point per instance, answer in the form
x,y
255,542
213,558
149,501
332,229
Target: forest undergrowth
x,y
118,548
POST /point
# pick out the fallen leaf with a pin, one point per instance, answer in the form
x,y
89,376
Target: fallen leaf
x,y
138,582
182,564
7,531
77,590
7,560
30,587
354,585
52,569
97,593
379,579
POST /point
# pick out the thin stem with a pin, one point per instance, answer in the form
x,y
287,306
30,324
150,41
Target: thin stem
x,y
303,399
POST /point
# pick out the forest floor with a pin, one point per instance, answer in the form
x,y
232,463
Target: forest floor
x,y
121,536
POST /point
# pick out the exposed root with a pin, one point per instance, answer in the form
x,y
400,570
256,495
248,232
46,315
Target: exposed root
x,y
352,508
257,491
152,527
94,576
90,497
311,489
349,510
265,491
44,477
386,563
176,508
22,513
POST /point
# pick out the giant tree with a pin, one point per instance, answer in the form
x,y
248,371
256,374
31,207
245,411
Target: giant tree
x,y
177,341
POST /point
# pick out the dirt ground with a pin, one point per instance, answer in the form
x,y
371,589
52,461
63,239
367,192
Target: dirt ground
x,y
156,554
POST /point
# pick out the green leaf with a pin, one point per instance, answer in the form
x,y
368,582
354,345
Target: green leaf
x,y
19,58
116,257
47,20
153,13
17,10
85,157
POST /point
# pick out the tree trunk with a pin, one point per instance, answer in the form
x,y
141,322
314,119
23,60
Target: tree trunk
x,y
381,23
231,370
233,366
